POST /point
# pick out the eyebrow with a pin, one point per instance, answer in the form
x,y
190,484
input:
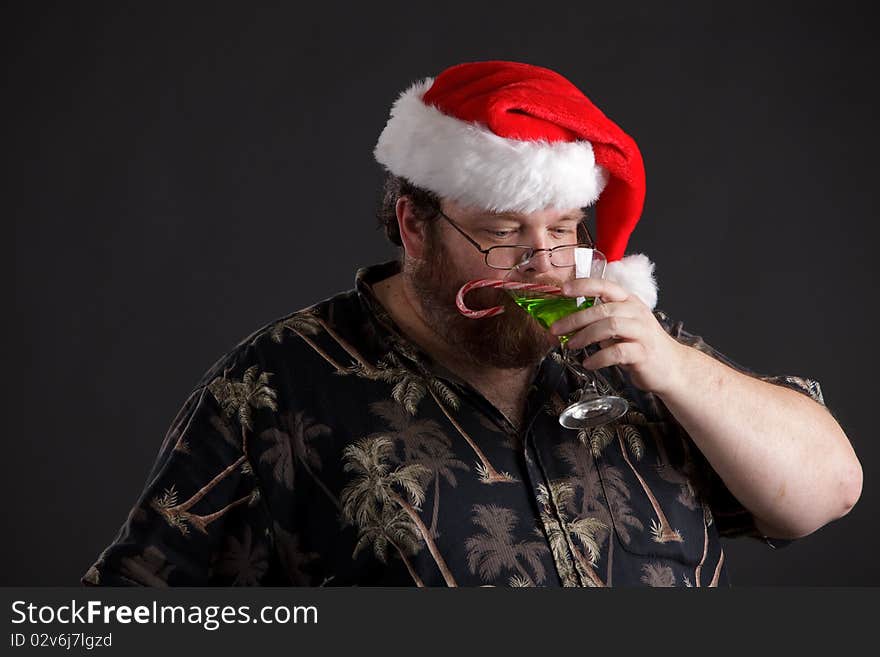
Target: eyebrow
x,y
510,216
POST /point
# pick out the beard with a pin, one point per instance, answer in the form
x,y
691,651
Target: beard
x,y
511,340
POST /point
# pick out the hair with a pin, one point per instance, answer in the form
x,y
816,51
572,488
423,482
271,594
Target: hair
x,y
426,205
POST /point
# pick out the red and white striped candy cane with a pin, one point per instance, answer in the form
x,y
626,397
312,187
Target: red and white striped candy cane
x,y
495,283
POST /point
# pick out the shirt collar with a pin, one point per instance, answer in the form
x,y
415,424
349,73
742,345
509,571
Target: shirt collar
x,y
385,328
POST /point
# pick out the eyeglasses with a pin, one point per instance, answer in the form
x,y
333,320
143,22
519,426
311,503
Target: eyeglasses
x,y
510,257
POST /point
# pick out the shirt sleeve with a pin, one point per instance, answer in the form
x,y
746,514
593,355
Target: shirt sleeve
x,y
731,517
200,515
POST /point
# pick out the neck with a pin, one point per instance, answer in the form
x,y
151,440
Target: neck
x,y
505,388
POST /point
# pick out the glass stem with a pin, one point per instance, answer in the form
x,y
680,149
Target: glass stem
x,y
588,377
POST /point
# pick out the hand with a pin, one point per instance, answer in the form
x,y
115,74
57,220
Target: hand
x,y
627,332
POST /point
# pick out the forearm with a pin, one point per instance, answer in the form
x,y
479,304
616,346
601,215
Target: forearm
x,y
782,455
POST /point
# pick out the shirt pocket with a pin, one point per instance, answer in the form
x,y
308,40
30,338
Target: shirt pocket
x,y
647,479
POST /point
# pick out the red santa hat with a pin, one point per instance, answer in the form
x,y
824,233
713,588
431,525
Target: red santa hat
x,y
511,137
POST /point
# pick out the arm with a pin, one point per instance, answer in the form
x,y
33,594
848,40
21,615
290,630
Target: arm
x,y
781,454
200,498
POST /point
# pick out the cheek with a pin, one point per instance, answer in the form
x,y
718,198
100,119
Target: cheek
x,y
471,266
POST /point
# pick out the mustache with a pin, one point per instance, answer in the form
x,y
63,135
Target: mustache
x,y
544,278
509,340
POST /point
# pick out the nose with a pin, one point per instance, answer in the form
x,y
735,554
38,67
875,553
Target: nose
x,y
539,263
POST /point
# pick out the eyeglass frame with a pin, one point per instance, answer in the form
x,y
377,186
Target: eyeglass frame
x,y
532,251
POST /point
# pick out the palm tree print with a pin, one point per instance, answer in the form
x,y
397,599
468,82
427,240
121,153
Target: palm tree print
x,y
411,507
415,436
494,549
627,431
585,477
394,528
238,399
410,387
179,516
554,501
245,560
707,520
278,456
309,322
559,548
661,530
665,470
424,443
598,438
717,574
631,443
440,460
360,363
655,574
149,567
375,485
293,441
294,558
304,324
618,496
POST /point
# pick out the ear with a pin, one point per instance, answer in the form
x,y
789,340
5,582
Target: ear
x,y
413,231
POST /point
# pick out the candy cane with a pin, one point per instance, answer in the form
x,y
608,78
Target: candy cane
x,y
495,283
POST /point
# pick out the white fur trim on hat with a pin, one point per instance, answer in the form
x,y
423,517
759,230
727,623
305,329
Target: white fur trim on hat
x,y
635,273
469,164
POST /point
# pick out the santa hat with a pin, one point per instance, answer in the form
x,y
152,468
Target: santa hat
x,y
510,137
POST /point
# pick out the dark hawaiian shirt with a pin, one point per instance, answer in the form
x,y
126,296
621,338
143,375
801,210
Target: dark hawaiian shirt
x,y
327,449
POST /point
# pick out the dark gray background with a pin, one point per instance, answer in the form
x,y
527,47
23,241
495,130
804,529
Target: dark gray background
x,y
180,175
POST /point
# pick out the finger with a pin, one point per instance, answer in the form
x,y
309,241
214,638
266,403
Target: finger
x,y
621,353
595,287
612,328
575,321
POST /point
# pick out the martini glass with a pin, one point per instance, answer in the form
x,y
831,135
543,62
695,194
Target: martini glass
x,y
592,409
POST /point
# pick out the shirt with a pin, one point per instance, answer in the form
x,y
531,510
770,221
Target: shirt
x,y
327,449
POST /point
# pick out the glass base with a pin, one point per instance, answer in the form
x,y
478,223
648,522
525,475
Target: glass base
x,y
593,412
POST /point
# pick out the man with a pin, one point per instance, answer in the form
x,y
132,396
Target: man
x,y
379,437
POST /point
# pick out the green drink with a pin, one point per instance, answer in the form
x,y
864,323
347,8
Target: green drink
x,y
591,409
550,308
